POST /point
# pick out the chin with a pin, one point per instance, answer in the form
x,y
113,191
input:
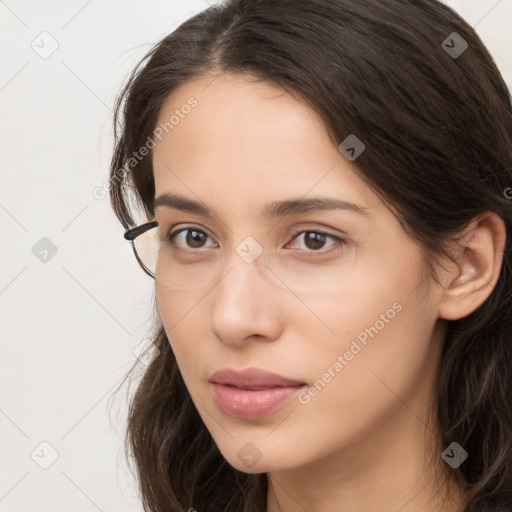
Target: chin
x,y
262,458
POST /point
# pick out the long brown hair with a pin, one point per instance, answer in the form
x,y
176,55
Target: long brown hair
x,y
437,125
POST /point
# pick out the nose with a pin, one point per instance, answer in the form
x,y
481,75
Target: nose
x,y
245,304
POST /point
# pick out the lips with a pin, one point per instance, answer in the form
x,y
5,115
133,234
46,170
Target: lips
x,y
252,379
252,393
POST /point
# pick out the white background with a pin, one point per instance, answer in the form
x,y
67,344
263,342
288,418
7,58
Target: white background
x,y
68,327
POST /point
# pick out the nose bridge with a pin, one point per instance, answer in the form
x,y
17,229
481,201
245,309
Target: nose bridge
x,y
244,267
250,249
242,304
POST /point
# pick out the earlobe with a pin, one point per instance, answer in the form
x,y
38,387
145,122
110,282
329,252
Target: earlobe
x,y
471,282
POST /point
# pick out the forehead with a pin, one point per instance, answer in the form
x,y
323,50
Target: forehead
x,y
252,139
241,114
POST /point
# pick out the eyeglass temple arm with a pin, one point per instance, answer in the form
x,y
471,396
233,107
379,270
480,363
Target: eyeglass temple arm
x,y
133,233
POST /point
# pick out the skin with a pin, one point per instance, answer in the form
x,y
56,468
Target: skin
x,y
364,441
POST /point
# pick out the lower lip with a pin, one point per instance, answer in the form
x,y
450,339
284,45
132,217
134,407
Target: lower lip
x,y
247,405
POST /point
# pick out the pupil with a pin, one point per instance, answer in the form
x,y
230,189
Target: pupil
x,y
195,238
314,240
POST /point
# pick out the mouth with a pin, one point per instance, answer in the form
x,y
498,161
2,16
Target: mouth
x,y
252,393
252,388
250,404
252,379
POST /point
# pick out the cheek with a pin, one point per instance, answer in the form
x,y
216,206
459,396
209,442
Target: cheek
x,y
379,323
179,312
357,386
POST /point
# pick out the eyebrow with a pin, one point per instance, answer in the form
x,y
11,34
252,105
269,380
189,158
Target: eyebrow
x,y
274,209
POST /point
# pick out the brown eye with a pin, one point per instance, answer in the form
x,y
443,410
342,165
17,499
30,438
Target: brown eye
x,y
314,241
189,238
195,238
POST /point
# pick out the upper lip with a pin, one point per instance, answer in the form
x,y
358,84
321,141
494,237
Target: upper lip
x,y
251,378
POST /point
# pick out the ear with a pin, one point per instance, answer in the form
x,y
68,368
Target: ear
x,y
471,281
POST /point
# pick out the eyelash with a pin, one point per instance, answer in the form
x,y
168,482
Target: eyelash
x,y
337,240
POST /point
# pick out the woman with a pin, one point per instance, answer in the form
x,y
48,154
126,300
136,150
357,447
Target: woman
x,y
324,210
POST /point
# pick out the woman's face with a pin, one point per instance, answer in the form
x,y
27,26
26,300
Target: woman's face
x,y
344,307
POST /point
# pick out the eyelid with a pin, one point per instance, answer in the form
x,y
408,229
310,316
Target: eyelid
x,y
322,231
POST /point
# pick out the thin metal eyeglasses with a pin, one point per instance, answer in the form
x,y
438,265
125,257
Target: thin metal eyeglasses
x,y
176,271
132,234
